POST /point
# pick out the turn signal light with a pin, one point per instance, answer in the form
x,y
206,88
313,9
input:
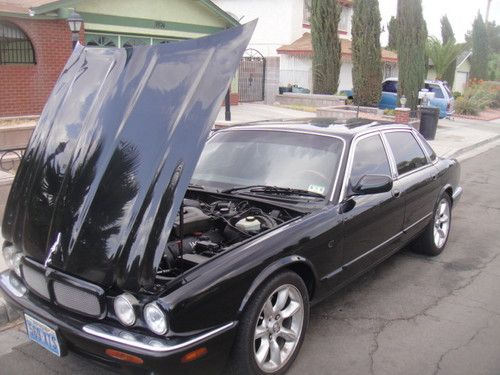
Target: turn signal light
x,y
124,356
194,355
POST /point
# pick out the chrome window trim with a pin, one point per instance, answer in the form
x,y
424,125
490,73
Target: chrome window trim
x,y
341,159
420,142
348,168
399,176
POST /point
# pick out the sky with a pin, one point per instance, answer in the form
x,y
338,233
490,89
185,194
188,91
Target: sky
x,y
461,14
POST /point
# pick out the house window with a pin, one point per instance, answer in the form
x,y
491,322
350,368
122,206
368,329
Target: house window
x,y
113,40
306,15
15,46
345,16
135,41
97,40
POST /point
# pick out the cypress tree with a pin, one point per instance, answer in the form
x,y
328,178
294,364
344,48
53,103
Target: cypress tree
x,y
479,58
325,16
393,34
411,50
448,37
367,65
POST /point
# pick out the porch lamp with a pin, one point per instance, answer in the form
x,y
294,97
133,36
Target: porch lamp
x,y
402,100
75,23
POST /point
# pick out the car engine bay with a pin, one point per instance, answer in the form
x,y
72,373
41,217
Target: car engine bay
x,y
210,224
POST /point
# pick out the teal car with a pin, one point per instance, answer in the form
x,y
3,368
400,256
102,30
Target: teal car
x,y
443,98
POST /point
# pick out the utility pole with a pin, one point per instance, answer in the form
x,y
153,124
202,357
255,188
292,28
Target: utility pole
x,y
487,11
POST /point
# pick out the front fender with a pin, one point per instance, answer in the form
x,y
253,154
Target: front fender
x,y
271,269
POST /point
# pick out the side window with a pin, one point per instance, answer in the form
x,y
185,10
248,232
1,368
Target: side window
x,y
390,86
407,153
369,158
428,149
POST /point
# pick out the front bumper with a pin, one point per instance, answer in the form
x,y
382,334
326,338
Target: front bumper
x,y
457,194
90,338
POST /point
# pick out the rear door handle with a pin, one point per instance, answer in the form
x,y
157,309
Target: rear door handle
x,y
396,193
434,177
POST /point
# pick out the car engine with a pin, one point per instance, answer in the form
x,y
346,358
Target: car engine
x,y
209,225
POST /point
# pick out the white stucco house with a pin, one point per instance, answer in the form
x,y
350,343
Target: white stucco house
x,y
284,30
462,72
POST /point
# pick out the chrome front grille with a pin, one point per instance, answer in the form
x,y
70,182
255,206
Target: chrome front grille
x,y
76,299
36,281
63,290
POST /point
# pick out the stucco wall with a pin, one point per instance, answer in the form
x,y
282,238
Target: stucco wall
x,y
280,21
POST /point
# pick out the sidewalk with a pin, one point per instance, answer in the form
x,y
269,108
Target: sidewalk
x,y
460,138
457,137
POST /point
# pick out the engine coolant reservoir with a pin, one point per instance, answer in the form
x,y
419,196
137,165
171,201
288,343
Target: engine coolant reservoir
x,y
248,224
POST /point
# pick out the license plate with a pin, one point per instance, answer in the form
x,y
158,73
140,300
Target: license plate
x,y
42,335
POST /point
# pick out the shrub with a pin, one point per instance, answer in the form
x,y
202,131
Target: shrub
x,y
466,106
457,94
478,96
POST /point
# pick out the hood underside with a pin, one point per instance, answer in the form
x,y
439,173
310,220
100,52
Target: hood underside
x,y
109,162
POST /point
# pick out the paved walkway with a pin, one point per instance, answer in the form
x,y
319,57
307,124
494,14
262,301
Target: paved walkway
x,y
246,112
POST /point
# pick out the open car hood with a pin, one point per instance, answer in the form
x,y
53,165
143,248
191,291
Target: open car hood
x,y
107,167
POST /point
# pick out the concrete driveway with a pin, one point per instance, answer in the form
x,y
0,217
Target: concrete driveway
x,y
410,315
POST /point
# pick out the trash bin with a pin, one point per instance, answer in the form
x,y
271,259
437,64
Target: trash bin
x,y
429,117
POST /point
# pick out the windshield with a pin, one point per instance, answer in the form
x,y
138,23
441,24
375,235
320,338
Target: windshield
x,y
273,158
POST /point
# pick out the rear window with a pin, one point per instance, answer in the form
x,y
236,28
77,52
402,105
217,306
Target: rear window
x,y
407,153
436,89
390,86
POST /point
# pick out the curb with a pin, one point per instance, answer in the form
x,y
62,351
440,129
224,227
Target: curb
x,y
472,147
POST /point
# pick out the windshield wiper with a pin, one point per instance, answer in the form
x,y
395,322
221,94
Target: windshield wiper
x,y
274,190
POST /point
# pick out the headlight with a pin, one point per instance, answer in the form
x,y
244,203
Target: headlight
x,y
12,258
124,309
155,318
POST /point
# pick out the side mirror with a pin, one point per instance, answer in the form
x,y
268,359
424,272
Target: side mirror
x,y
372,184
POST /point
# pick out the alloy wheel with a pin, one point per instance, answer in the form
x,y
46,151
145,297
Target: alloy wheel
x,y
441,223
278,328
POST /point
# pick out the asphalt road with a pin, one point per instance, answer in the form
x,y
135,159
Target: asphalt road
x,y
410,315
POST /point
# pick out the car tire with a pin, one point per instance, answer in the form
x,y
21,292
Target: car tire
x,y
434,238
262,327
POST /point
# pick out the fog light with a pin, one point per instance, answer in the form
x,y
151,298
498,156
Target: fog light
x,y
155,318
124,309
12,258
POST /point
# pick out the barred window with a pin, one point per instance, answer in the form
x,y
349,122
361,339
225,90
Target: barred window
x,y
15,46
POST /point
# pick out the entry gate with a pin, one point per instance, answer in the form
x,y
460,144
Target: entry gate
x,y
251,76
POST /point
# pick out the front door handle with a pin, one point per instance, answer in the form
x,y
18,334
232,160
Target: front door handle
x,y
396,193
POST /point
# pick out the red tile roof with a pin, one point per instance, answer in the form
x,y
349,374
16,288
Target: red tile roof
x,y
303,47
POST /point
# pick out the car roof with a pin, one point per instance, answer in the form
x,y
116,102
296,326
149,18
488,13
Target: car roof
x,y
436,81
344,128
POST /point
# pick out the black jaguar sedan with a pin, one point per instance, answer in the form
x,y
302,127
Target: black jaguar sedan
x,y
135,242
